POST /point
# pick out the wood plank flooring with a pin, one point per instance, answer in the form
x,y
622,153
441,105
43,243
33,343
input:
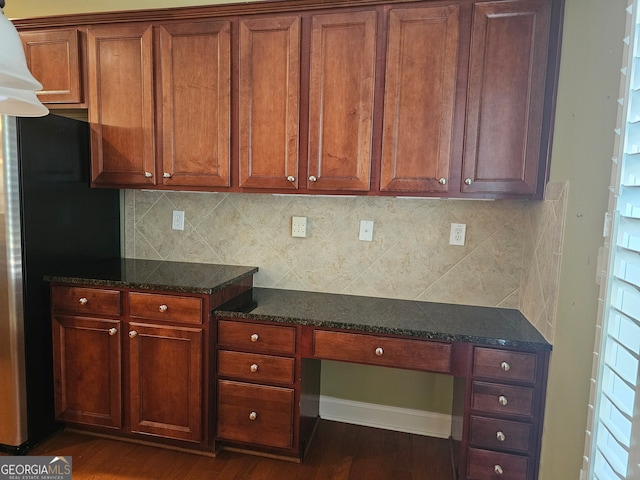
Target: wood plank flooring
x,y
338,452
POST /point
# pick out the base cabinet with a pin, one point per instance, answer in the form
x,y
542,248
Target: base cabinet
x,y
134,362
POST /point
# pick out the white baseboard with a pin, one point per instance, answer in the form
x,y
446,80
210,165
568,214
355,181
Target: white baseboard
x,y
382,416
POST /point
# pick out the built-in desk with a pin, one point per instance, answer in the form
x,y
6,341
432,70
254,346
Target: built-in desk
x,y
270,343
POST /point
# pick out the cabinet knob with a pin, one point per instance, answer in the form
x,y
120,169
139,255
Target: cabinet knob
x,y
503,400
166,175
253,416
313,178
291,178
468,181
83,301
500,436
163,308
254,337
253,368
505,366
379,351
133,334
113,331
148,174
498,469
443,181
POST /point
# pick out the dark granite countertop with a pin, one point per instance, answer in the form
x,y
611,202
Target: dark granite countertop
x,y
180,277
436,321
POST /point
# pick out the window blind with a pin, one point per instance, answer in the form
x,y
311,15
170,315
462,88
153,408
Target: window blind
x,y
612,449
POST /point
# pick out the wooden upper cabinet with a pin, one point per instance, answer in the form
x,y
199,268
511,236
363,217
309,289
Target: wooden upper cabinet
x,y
195,59
53,58
120,61
269,77
506,88
341,94
420,87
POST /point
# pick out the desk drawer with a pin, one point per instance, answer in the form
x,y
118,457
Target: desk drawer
x,y
504,365
255,367
384,351
256,337
506,399
499,434
486,465
167,308
255,414
85,301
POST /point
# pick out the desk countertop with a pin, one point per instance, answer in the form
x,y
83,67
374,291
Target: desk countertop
x,y
179,277
428,320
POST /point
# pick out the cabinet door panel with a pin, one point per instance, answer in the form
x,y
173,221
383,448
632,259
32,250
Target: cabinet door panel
x,y
195,61
420,90
121,105
507,74
269,102
166,381
341,92
52,57
87,371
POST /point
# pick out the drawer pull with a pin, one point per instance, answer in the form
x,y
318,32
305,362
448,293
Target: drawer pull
x,y
113,331
253,416
503,400
254,337
505,366
498,469
500,436
254,368
83,301
163,308
379,351
133,334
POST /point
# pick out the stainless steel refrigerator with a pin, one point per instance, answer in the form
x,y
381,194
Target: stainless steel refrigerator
x,y
49,219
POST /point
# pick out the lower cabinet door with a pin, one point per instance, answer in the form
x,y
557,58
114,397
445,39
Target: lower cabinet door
x,y
166,384
488,465
256,414
87,371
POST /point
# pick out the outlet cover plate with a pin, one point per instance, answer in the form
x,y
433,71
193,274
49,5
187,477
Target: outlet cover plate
x,y
366,230
458,234
299,227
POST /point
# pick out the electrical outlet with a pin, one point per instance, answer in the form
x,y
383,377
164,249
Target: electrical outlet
x,y
457,234
366,230
299,227
178,220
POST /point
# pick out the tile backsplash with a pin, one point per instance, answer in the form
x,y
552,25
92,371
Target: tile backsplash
x,y
511,257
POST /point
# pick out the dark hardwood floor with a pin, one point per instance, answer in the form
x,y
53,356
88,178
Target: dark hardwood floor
x,y
338,452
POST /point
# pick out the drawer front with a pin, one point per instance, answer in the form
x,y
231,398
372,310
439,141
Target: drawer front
x,y
255,367
256,337
486,465
505,399
504,365
168,308
255,414
384,351
85,301
499,434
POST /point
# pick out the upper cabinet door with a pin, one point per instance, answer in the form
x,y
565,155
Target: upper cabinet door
x,y
195,60
121,105
420,88
53,58
341,93
269,73
507,74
